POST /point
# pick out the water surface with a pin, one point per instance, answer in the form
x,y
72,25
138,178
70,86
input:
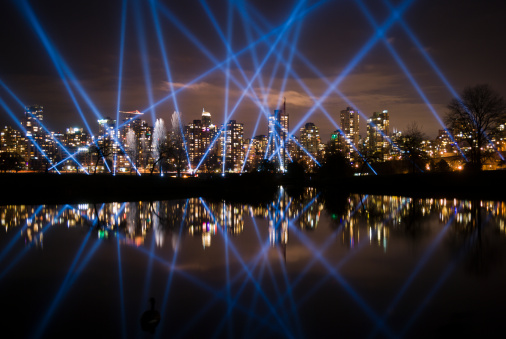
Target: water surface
x,y
303,265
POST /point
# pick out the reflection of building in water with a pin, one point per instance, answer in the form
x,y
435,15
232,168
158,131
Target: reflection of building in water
x,y
310,217
231,217
205,218
366,218
278,224
293,207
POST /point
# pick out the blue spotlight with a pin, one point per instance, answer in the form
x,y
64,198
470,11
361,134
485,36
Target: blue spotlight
x,y
408,74
161,43
141,35
11,93
319,104
358,57
71,156
58,63
23,129
294,16
251,143
120,71
439,73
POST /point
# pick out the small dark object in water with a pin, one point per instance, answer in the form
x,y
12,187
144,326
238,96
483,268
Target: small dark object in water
x,y
150,318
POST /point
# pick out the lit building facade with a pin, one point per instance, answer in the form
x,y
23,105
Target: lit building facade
x,y
231,146
350,127
378,131
309,140
37,158
278,138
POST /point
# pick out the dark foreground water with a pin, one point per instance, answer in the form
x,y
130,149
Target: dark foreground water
x,y
303,265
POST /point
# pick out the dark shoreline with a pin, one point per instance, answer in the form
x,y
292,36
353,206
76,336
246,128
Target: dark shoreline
x,y
39,188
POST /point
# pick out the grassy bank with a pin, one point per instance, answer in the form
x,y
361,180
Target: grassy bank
x,y
38,188
483,185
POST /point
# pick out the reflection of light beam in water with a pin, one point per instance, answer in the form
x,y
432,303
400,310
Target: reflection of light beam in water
x,y
346,286
421,263
171,273
70,277
147,279
252,278
16,236
339,265
221,294
449,269
121,291
25,250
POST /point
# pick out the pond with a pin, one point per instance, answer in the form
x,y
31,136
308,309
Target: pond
x,y
303,265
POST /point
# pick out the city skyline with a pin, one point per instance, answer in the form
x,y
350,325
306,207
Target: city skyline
x,y
190,43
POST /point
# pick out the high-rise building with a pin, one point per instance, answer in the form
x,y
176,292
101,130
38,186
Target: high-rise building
x,y
208,136
194,135
12,149
40,147
278,137
350,128
106,126
231,141
257,148
310,140
199,135
378,131
444,144
206,118
12,141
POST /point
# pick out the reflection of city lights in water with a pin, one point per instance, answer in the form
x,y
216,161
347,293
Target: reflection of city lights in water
x,y
360,222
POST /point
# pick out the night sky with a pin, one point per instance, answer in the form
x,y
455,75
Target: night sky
x,y
464,39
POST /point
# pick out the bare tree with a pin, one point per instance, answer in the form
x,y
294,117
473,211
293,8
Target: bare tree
x,y
411,147
475,116
102,148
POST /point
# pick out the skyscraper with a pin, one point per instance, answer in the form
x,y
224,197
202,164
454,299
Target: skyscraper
x,y
350,128
194,135
278,137
231,143
310,140
378,130
206,118
37,157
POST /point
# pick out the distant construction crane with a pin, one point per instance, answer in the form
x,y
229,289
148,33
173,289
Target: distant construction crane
x,y
130,117
132,112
